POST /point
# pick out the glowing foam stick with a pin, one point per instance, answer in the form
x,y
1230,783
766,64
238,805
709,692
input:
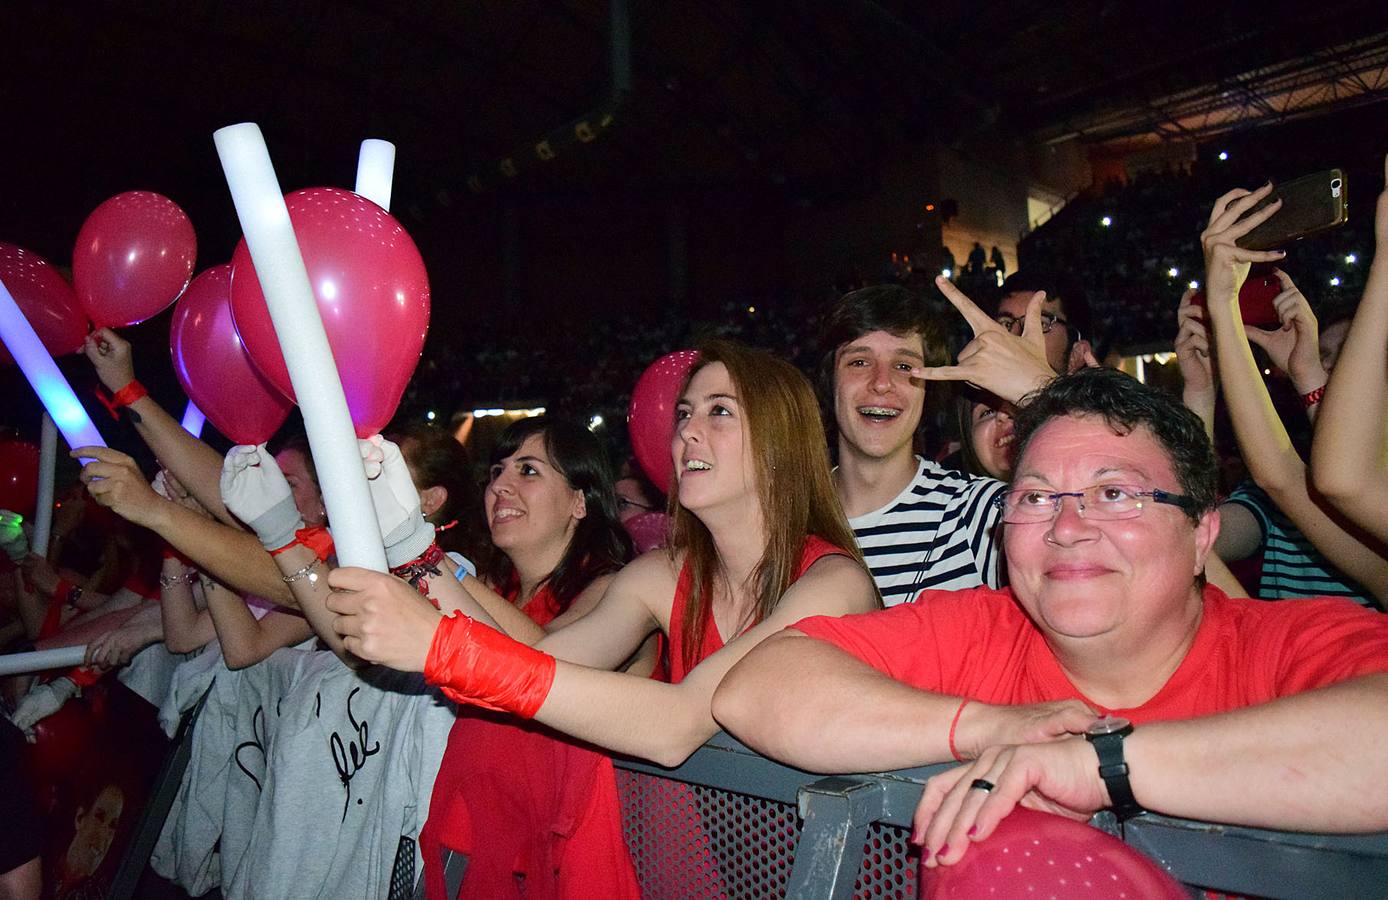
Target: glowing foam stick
x,y
43,513
289,297
39,660
375,171
193,420
38,366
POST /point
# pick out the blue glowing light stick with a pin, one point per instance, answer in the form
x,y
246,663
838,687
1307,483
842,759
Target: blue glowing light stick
x,y
37,365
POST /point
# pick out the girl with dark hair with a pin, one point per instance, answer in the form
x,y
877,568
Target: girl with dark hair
x,y
759,543
448,496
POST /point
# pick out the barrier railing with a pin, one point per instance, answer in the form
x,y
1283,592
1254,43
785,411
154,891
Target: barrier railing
x,y
776,831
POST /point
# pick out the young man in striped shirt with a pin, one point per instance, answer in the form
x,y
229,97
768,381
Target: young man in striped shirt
x,y
920,526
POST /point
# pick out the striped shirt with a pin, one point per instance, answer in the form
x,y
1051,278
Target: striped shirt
x,y
1292,566
937,534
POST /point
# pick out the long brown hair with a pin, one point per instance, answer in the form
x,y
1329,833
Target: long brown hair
x,y
794,487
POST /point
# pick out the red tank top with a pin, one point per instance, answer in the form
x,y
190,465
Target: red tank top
x,y
815,548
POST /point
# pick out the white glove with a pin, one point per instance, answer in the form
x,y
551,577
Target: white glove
x,y
403,529
42,701
256,492
13,541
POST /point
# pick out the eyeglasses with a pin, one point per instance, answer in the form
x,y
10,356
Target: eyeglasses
x,y
624,503
1014,324
1100,502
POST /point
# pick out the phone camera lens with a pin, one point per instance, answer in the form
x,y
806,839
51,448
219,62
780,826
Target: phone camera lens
x,y
1335,185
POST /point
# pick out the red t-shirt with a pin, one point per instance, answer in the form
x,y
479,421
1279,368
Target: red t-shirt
x,y
980,644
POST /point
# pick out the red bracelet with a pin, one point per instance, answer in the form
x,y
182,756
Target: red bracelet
x,y
953,751
128,394
1311,399
316,538
61,591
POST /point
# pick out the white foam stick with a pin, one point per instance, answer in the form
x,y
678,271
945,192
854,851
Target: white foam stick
x,y
38,366
255,191
41,660
193,419
48,458
376,171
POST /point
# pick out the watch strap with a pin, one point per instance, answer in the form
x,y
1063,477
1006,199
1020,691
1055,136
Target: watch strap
x,y
1113,769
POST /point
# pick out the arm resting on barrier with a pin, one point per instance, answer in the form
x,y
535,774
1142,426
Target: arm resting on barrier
x,y
809,704
1309,762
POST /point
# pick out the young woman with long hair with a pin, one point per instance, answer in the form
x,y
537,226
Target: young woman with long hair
x,y
759,542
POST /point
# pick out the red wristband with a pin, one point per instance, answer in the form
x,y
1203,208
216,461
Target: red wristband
x,y
61,591
1311,399
128,394
954,751
317,538
480,666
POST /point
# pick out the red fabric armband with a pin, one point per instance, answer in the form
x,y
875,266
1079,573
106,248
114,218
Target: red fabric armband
x,y
83,677
480,666
128,395
61,591
316,538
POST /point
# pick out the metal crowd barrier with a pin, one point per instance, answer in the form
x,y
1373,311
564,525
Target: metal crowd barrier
x,y
760,829
731,823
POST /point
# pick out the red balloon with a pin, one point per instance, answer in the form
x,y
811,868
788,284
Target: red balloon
x,y
19,476
133,257
372,293
213,367
651,415
1037,854
45,299
648,530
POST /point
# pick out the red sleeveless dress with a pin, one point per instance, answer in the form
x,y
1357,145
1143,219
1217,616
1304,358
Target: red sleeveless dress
x,y
535,812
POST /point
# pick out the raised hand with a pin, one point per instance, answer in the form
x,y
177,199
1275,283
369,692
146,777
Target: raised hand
x,y
110,356
256,492
1295,347
403,529
114,481
1226,263
1008,365
1195,357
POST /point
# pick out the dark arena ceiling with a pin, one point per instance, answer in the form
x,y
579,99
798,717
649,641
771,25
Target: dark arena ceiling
x,y
800,99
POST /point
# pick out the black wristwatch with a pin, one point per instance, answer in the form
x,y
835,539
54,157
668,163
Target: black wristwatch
x,y
1107,737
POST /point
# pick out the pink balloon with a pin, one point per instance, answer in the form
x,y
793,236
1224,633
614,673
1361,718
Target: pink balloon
x,y
45,299
1037,854
648,530
212,365
651,415
372,292
133,257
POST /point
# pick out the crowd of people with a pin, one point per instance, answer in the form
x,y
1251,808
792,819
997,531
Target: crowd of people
x,y
1049,605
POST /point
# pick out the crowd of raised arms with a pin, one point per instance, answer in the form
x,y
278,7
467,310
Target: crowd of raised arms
x,y
1071,584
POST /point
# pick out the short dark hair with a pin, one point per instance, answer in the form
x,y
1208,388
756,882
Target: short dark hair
x,y
1063,289
599,544
1126,403
885,307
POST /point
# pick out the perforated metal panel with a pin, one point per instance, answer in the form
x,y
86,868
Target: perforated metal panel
x,y
402,880
889,864
696,842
